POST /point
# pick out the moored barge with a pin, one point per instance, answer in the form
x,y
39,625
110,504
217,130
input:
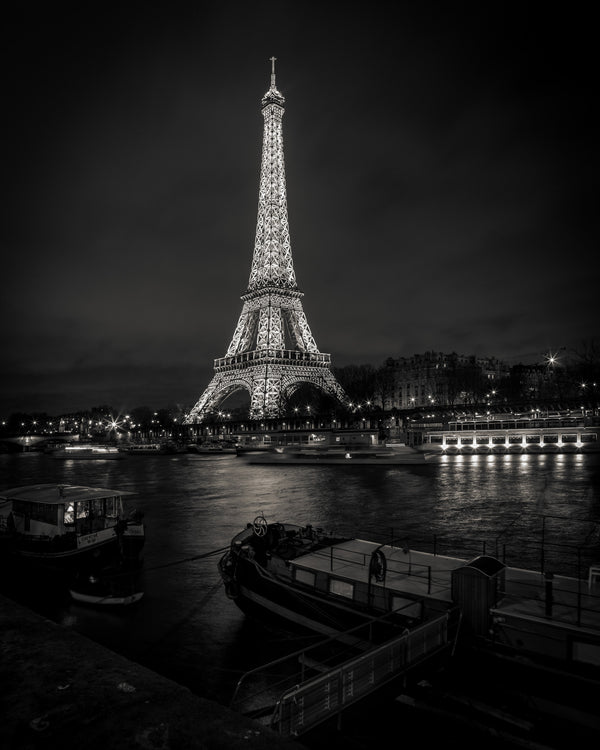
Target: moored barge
x,y
329,584
69,535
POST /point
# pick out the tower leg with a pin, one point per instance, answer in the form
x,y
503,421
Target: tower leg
x,y
265,395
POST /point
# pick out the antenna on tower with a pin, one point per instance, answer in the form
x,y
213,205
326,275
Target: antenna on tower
x,y
272,59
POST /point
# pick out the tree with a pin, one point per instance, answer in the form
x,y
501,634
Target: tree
x,y
359,381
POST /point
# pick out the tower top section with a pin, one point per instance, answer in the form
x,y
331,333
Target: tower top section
x,y
273,96
272,265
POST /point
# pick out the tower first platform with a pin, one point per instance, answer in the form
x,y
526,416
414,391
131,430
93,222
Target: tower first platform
x,y
273,351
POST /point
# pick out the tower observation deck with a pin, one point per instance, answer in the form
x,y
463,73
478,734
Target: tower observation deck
x,y
272,352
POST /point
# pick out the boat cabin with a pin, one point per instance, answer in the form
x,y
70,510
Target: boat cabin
x,y
49,511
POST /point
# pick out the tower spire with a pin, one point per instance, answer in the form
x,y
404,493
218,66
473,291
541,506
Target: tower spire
x,y
272,351
273,96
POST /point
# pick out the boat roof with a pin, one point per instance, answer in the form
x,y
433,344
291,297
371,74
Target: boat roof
x,y
57,494
422,574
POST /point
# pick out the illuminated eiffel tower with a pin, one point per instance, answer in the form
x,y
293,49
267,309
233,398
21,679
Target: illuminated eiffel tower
x,y
273,351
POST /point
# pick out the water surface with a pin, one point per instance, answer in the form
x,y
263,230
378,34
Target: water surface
x,y
185,627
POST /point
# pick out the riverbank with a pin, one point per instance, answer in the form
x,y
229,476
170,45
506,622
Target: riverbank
x,y
60,689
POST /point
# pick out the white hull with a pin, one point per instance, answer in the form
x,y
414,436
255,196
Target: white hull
x,y
106,600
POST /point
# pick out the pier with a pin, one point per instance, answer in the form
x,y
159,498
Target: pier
x,y
60,689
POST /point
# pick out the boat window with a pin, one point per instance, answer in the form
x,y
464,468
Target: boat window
x,y
466,441
113,507
45,512
551,438
69,517
20,507
305,576
82,509
341,588
406,607
589,437
98,507
483,440
533,439
569,438
586,652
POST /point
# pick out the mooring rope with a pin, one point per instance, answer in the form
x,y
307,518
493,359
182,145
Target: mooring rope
x,y
189,559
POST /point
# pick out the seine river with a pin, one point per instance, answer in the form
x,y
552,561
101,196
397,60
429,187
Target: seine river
x,y
186,629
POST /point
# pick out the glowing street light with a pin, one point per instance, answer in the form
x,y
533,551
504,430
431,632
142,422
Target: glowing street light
x,y
551,359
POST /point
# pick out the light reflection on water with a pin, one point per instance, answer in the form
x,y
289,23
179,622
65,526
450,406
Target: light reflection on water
x,y
187,629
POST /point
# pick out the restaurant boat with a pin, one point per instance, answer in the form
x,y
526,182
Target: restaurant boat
x,y
88,452
395,455
510,434
328,584
67,532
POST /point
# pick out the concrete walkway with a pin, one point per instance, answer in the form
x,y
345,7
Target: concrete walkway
x,y
60,689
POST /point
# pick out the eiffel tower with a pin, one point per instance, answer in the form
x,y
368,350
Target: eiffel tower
x,y
273,351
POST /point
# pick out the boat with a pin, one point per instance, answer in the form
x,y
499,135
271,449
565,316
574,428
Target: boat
x,y
511,434
394,455
109,587
88,452
150,449
64,533
255,444
212,449
144,449
328,584
320,582
106,599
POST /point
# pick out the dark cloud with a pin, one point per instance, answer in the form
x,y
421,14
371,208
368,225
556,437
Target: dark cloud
x,y
441,166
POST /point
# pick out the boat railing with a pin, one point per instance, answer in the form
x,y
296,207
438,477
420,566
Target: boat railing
x,y
571,601
568,598
401,567
304,688
512,547
308,704
345,556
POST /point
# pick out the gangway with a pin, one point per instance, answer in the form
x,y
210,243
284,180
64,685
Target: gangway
x,y
338,683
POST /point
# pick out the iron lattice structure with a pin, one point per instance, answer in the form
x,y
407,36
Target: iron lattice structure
x,y
273,351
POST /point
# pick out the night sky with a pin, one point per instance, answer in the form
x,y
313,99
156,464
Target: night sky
x,y
442,172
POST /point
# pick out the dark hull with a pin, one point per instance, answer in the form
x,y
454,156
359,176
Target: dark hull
x,y
39,563
335,457
265,598
283,460
112,586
